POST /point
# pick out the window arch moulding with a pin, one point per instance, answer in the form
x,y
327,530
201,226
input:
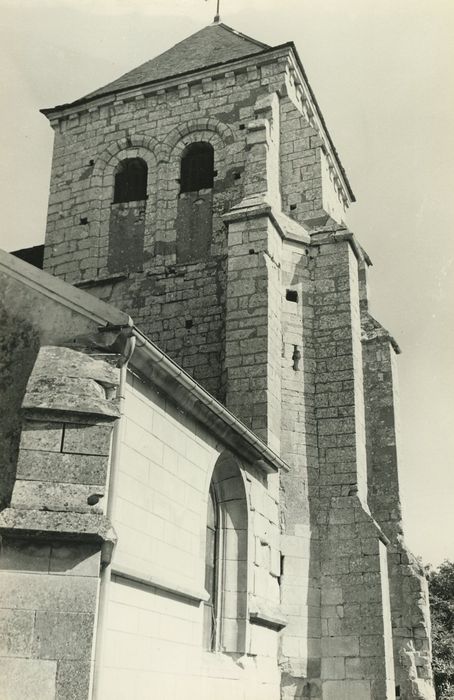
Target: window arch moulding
x,y
126,229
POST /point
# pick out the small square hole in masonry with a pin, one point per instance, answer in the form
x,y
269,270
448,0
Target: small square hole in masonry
x,y
188,323
291,295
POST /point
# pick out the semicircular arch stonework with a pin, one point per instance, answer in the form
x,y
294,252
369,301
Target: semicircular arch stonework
x,y
131,147
209,129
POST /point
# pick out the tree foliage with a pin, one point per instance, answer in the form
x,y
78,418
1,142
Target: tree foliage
x,y
441,589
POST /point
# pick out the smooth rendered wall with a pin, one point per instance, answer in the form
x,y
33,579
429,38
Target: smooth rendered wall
x,y
153,636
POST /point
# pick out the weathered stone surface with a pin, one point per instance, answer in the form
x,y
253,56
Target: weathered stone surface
x,y
409,602
92,526
49,587
64,635
19,345
127,230
87,439
54,496
41,436
65,380
73,680
67,394
75,559
32,591
347,690
72,364
24,555
62,467
16,632
194,223
32,679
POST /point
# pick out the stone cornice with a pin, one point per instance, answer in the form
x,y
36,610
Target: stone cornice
x,y
61,525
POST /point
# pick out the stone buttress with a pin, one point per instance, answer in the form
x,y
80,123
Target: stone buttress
x,y
408,585
54,535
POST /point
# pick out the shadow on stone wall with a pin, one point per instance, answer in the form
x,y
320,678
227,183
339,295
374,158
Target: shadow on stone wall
x,y
19,346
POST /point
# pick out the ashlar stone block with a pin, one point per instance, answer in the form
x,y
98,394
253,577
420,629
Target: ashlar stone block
x,y
346,690
33,679
63,635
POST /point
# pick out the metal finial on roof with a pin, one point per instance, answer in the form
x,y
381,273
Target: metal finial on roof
x,y
217,17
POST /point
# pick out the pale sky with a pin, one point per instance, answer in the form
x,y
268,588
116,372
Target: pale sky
x,y
384,79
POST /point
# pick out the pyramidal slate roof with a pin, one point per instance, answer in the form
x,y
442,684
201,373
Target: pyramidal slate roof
x,y
212,45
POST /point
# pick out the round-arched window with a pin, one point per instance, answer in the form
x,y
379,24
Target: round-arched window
x,y
197,167
131,181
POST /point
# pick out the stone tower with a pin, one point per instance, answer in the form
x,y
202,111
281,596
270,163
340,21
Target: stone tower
x,y
202,194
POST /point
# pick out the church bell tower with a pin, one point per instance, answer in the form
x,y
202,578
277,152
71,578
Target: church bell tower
x,y
202,194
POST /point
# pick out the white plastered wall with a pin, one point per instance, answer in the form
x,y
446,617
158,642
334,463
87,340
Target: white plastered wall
x,y
152,638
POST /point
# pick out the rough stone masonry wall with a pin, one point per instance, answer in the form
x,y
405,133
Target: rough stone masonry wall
x,y
253,327
19,346
181,306
51,536
301,175
253,319
409,595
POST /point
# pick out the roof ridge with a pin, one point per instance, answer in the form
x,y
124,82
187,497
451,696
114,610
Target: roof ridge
x,y
241,34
